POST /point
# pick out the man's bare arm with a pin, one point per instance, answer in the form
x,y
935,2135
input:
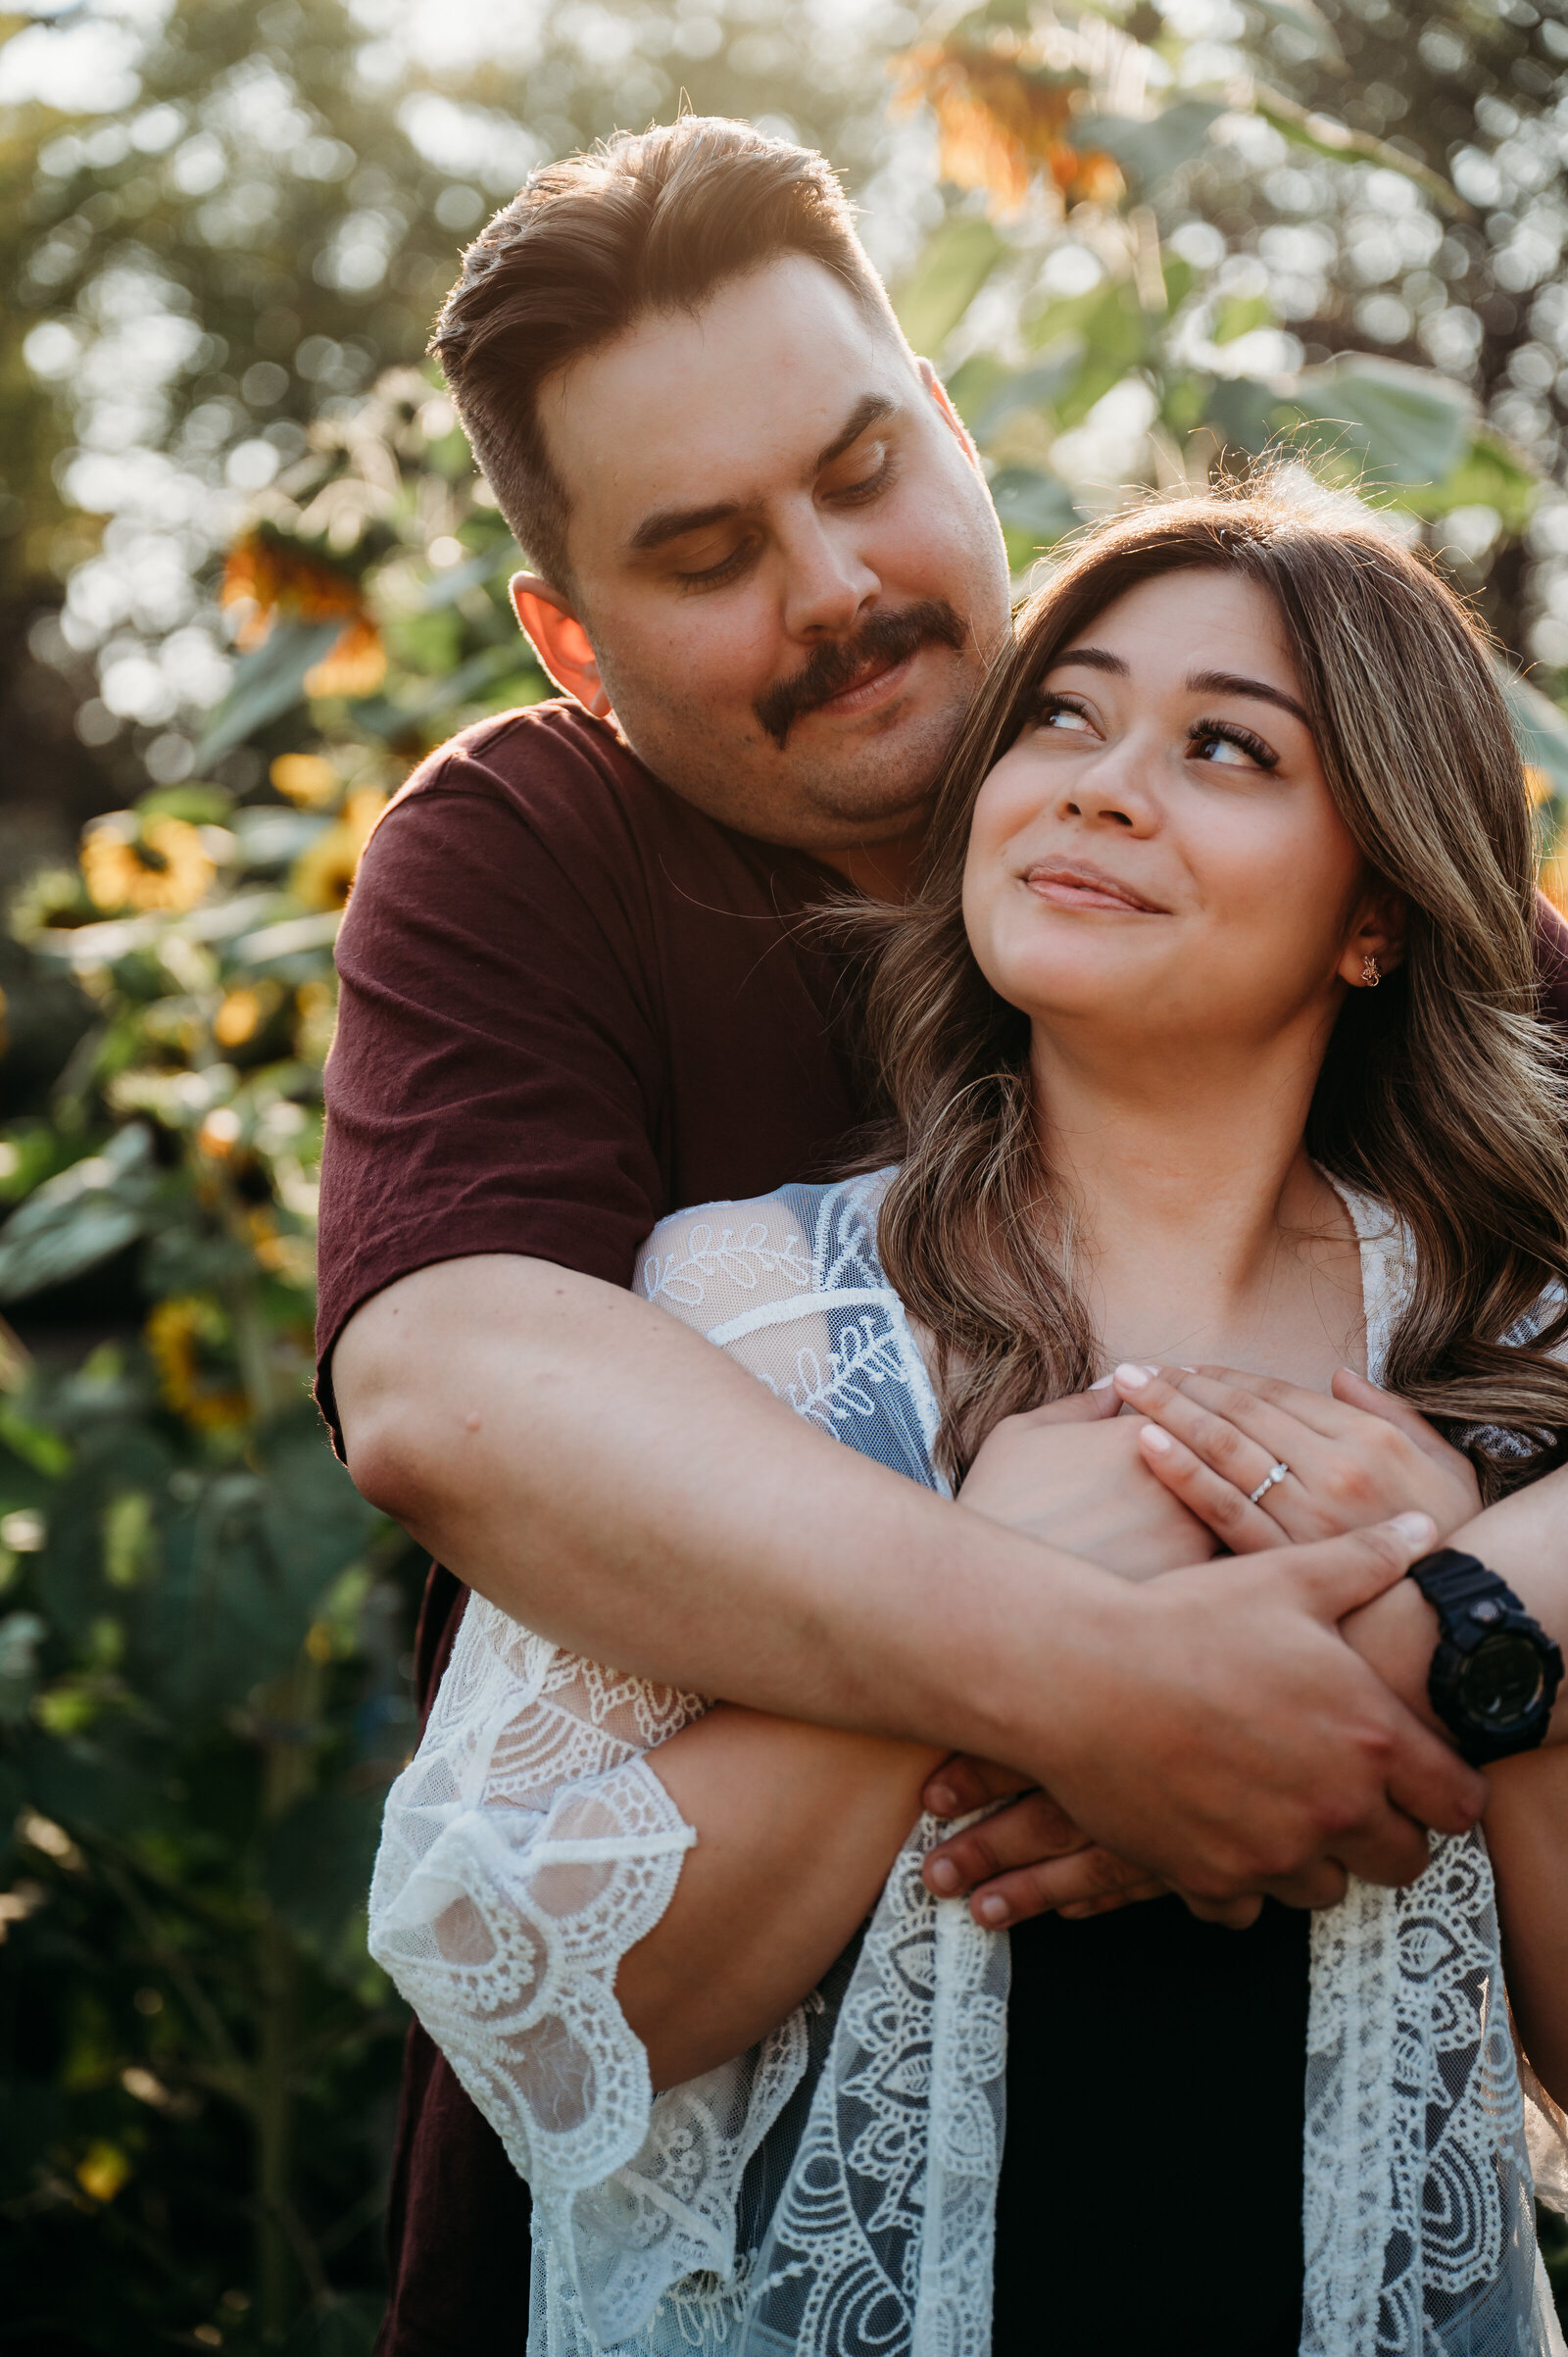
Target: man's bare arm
x,y
615,1482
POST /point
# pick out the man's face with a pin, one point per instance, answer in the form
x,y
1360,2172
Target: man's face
x,y
785,557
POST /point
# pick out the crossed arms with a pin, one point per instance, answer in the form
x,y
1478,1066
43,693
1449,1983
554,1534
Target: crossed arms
x,y
521,1420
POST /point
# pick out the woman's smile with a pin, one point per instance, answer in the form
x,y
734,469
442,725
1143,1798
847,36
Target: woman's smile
x,y
1070,883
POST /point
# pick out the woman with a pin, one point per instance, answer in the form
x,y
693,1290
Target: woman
x,y
1208,1038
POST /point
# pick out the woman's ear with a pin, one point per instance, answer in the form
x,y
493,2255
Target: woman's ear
x,y
560,641
1376,942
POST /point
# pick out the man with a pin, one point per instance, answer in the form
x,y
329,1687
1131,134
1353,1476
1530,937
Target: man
x,y
574,995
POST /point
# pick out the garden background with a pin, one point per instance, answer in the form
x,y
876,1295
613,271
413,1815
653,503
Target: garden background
x,y
248,575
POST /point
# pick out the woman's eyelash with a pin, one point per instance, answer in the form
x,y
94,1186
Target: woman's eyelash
x,y
1231,732
1048,700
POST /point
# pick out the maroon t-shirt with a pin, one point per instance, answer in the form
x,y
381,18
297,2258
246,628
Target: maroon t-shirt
x,y
570,1004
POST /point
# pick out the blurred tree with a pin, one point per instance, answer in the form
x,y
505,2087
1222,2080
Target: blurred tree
x,y
265,215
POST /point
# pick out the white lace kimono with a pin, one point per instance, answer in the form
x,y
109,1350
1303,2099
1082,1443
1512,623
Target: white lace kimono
x,y
832,2192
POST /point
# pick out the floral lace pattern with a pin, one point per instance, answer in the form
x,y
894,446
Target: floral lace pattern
x,y
832,2194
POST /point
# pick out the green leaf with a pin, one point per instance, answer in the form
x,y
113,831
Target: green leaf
x,y
1149,152
946,279
1035,509
37,1446
1323,135
315,1868
85,1215
200,805
1540,727
1404,426
267,683
1042,387
1489,474
1239,315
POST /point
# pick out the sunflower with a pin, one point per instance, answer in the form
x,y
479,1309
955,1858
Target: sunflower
x,y
156,863
306,779
268,578
177,1333
999,120
323,876
1553,875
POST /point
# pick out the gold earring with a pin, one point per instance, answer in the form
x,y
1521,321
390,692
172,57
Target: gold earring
x,y
1371,973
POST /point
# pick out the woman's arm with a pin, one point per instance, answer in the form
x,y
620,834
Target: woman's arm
x,y
797,1831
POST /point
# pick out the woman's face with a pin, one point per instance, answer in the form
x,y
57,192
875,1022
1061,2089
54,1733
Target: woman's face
x,y
1158,853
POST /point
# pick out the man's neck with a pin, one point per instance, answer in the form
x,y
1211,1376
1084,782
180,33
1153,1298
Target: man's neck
x,y
882,872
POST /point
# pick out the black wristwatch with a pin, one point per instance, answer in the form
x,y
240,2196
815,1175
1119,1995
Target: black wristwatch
x,y
1496,1673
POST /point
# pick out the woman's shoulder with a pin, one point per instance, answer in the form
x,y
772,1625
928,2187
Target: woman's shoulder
x,y
715,1261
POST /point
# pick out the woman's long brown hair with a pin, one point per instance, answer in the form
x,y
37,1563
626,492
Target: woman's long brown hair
x,y
1441,1093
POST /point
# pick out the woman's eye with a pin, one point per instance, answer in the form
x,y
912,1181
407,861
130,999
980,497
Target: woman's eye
x,y
1065,719
1231,746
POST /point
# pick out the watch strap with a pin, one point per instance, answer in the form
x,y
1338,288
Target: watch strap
x,y
1454,1583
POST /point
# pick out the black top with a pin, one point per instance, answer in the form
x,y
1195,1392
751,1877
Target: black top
x,y
1151,2193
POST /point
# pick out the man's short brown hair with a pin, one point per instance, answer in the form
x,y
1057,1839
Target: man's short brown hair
x,y
650,222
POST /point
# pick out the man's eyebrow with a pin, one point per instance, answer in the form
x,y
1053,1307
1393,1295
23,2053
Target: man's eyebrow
x,y
872,408
673,523
1232,683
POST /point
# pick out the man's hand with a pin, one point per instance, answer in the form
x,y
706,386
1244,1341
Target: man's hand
x,y
1027,1858
1072,1475
1213,1436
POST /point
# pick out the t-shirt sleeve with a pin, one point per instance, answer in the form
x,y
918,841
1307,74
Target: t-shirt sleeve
x,y
493,1083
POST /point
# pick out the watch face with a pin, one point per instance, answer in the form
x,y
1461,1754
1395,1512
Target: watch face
x,y
1502,1681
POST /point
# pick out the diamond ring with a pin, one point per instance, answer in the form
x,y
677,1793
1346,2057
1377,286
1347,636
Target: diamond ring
x,y
1275,1473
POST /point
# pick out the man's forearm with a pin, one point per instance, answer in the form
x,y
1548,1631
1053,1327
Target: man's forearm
x,y
615,1483
610,1480
1525,1540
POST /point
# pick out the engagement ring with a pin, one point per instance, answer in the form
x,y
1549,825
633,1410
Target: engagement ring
x,y
1275,1473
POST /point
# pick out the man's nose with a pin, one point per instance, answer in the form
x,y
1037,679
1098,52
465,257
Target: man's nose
x,y
828,587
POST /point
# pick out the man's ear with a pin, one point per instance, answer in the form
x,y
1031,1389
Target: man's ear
x,y
950,415
1378,933
560,641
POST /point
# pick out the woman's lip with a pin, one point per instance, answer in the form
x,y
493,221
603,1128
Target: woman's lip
x,y
1084,892
869,690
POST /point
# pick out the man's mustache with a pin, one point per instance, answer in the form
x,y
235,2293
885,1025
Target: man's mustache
x,y
886,638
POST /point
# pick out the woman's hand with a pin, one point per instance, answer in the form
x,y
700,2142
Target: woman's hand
x,y
1214,1437
1072,1474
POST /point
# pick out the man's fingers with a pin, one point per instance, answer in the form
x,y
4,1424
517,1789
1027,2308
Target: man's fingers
x,y
1334,1576
964,1782
1032,1829
1323,1883
1091,1882
1242,1526
1237,1914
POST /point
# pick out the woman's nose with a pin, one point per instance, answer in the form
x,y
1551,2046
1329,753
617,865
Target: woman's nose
x,y
1111,795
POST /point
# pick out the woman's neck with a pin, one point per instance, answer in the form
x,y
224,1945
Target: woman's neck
x,y
1200,1230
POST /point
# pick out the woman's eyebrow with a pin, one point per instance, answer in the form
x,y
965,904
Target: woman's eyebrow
x,y
1232,683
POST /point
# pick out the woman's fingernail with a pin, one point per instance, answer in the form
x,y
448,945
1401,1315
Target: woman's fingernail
x,y
1104,1383
993,1911
942,1877
1131,1378
942,1800
1419,1529
1157,1442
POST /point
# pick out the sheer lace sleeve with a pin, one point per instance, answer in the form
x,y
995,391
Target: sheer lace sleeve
x,y
528,1846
